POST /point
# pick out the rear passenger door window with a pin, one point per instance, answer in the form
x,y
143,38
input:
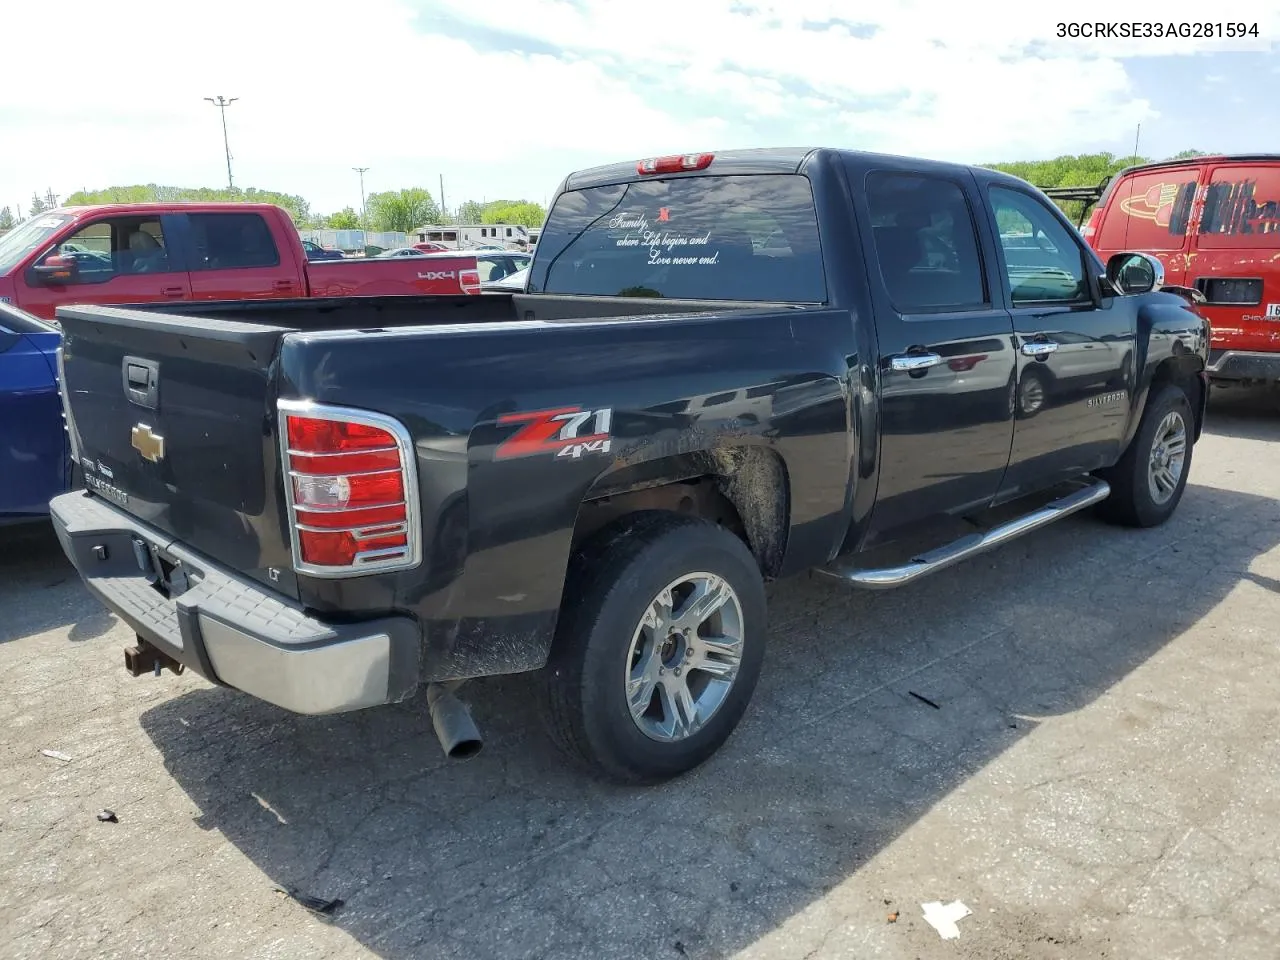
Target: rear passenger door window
x,y
1042,259
926,243
230,241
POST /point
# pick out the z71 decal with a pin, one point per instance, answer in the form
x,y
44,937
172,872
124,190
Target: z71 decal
x,y
562,432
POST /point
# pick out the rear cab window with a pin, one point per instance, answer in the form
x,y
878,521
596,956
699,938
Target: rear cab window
x,y
736,237
230,241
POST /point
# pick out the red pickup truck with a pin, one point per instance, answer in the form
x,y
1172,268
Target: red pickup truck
x,y
154,252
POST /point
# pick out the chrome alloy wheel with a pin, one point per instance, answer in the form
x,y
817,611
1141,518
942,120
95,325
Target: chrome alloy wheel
x,y
684,656
1168,454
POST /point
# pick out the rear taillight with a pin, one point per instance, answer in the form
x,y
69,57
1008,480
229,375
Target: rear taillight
x,y
1090,229
470,280
675,164
350,485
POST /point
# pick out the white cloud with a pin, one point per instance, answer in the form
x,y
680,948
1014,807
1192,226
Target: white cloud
x,y
389,84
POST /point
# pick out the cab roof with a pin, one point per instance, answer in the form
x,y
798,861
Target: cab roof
x,y
167,206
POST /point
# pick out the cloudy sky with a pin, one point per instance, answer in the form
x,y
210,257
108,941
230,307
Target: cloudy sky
x,y
503,97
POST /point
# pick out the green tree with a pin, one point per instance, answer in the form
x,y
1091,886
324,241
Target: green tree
x,y
344,219
37,205
297,207
1076,170
471,211
7,221
523,212
402,210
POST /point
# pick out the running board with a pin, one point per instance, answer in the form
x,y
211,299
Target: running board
x,y
887,578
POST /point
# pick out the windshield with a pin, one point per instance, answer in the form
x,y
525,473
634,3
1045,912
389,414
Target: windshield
x,y
30,236
690,238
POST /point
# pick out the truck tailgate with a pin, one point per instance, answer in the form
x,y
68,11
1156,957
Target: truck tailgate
x,y
171,419
393,276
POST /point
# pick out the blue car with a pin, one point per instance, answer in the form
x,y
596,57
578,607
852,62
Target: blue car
x,y
34,456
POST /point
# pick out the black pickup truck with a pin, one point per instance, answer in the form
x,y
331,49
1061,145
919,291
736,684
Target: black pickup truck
x,y
725,369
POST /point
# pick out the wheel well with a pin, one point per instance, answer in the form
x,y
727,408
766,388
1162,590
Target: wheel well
x,y
743,489
1183,371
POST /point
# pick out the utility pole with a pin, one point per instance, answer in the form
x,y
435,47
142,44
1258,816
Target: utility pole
x,y
222,103
444,215
1136,137
51,198
364,210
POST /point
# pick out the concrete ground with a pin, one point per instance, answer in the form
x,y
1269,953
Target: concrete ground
x,y
1100,777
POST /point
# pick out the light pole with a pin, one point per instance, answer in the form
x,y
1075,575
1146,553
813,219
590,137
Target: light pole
x,y
364,213
222,103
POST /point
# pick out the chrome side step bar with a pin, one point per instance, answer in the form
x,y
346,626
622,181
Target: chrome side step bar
x,y
887,578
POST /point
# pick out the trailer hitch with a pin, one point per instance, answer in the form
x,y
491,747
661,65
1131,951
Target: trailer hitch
x,y
145,658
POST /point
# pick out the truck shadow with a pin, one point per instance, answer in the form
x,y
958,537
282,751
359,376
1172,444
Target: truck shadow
x,y
835,760
32,565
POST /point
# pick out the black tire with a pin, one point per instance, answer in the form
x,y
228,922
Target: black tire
x,y
1132,503
610,586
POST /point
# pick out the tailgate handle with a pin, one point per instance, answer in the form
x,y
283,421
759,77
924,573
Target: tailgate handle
x,y
141,381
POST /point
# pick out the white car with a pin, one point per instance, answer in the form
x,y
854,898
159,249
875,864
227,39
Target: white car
x,y
511,283
406,252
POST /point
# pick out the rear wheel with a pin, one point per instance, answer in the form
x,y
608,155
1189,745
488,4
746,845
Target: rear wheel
x,y
659,647
1147,483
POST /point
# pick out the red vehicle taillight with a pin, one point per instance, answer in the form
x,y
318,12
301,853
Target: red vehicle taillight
x,y
675,164
1090,229
470,280
350,485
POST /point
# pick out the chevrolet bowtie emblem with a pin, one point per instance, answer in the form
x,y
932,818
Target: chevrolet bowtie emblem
x,y
150,445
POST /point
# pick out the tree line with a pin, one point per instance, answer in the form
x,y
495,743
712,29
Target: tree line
x,y
398,211
401,211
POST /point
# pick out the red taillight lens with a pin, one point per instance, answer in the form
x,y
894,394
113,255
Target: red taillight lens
x,y
349,488
313,435
348,462
342,548
675,164
470,280
1090,229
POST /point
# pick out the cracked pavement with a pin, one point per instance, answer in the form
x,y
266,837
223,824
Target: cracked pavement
x,y
1100,778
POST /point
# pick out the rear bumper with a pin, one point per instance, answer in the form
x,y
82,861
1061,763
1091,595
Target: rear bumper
x,y
231,631
1243,365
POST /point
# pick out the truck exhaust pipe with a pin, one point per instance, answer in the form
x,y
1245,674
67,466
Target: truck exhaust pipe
x,y
456,731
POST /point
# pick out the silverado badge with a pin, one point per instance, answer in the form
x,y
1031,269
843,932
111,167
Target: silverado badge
x,y
149,444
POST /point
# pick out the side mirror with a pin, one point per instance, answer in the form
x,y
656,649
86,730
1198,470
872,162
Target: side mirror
x,y
55,269
1134,273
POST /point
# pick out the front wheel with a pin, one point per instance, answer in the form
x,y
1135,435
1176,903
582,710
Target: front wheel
x,y
1147,483
659,647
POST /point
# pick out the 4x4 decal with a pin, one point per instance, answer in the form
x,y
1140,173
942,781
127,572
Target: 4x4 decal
x,y
562,432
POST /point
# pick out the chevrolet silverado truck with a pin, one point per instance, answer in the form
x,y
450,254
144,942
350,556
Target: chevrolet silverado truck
x,y
162,252
725,369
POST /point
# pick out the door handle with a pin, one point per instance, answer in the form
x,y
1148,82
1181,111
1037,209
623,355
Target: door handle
x,y
1042,349
914,361
175,292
